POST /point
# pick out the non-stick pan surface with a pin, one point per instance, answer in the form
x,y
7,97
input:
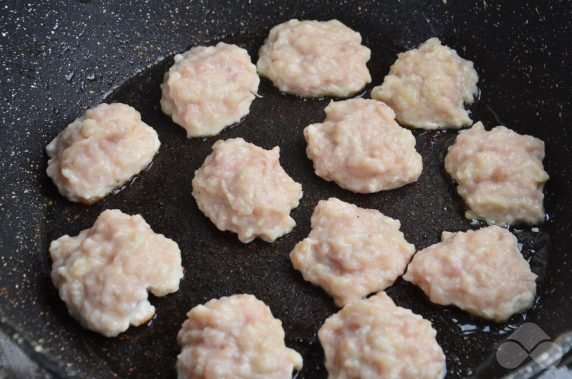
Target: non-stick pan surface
x,y
60,57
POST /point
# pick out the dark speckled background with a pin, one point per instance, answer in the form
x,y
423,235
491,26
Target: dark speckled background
x,y
58,58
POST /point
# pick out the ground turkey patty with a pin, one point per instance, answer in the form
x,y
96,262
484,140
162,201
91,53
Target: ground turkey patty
x,y
351,252
315,58
374,338
242,188
499,174
361,147
234,337
480,271
209,88
100,151
427,86
104,273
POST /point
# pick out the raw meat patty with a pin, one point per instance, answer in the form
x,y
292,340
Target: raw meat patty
x,y
480,271
500,174
427,86
351,252
209,88
242,188
374,338
315,58
104,273
100,151
234,337
361,147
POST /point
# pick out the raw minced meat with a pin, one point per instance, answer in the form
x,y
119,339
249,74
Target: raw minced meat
x,y
427,86
374,338
315,58
100,151
361,147
351,252
209,88
499,174
481,271
104,273
242,188
234,337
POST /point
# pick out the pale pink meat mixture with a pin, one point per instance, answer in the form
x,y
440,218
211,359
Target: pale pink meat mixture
x,y
361,147
209,88
427,86
500,174
242,188
375,338
480,271
234,337
100,151
351,252
315,58
104,273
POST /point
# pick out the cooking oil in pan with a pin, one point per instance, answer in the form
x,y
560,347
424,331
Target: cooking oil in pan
x,y
217,264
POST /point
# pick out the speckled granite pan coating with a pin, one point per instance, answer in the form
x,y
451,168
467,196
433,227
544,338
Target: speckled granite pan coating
x,y
58,58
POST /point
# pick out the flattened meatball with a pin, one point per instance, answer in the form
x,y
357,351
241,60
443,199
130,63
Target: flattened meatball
x,y
242,188
374,338
427,86
361,147
500,175
104,273
315,58
480,271
351,252
234,337
100,151
209,88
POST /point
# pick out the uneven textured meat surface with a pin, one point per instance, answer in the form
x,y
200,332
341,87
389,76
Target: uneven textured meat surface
x,y
480,271
104,273
427,86
209,88
234,337
100,151
361,147
374,338
500,174
315,58
242,188
351,252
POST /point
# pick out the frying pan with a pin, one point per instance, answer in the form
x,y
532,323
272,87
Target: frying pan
x,y
60,57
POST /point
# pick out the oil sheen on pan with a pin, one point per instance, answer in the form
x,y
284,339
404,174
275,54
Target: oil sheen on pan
x,y
217,264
